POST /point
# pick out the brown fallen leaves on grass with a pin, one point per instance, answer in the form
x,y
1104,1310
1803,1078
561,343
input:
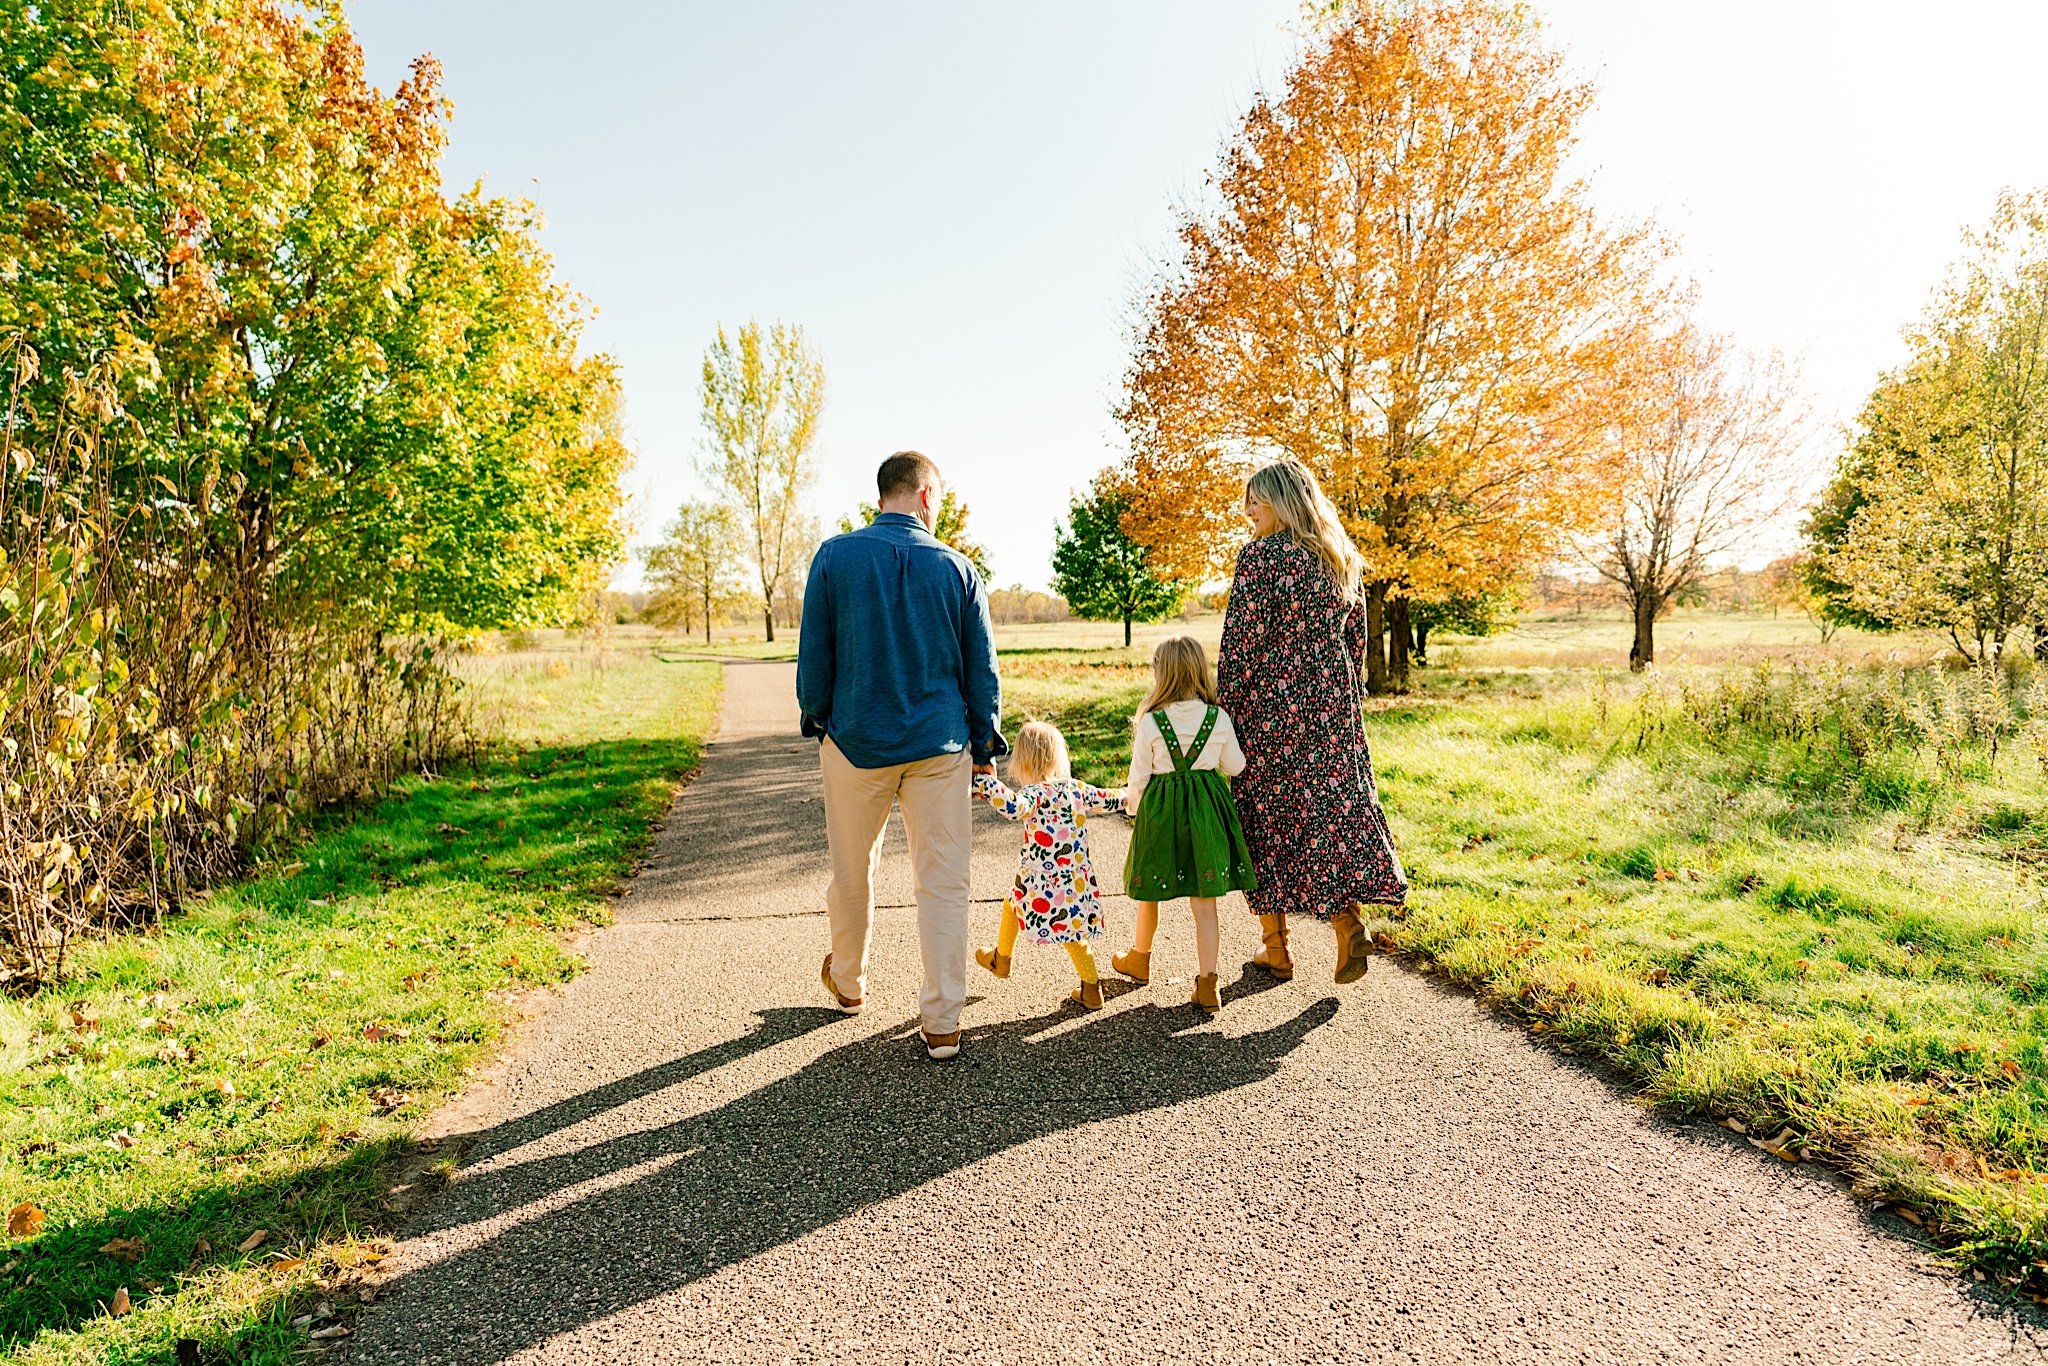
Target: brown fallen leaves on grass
x,y
129,1250
24,1221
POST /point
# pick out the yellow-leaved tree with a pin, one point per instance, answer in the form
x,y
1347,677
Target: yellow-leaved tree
x,y
1396,283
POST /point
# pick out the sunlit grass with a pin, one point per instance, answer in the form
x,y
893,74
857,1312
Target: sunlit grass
x,y
256,1062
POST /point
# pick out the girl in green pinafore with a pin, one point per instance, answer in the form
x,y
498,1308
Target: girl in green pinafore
x,y
1187,842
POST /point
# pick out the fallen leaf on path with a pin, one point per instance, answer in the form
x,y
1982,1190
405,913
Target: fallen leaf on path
x,y
24,1221
120,1303
1778,1147
127,1249
329,1333
286,1265
253,1241
1734,1125
1909,1216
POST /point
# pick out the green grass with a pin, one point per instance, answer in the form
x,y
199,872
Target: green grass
x,y
257,1062
1845,954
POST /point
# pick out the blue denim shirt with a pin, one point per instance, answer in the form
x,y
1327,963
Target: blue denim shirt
x,y
895,660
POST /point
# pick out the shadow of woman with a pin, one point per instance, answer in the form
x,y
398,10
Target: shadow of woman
x,y
622,1221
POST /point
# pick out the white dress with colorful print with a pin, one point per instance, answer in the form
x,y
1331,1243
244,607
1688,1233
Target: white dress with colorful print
x,y
1055,897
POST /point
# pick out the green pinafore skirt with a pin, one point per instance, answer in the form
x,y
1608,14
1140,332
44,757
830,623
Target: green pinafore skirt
x,y
1187,841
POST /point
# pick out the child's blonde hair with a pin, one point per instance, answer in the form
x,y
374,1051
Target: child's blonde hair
x,y
1039,755
1180,671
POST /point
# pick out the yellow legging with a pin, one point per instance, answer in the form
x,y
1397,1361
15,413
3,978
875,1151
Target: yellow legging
x,y
1006,940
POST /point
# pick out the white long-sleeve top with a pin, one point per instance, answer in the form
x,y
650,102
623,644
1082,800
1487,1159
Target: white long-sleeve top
x,y
1149,754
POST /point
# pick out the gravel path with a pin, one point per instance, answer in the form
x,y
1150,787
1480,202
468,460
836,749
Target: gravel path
x,y
690,1160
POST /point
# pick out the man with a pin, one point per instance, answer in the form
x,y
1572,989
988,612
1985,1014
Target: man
x,y
896,673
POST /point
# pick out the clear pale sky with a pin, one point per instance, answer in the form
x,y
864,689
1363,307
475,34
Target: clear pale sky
x,y
958,200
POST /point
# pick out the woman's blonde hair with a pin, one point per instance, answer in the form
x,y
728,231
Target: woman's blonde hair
x,y
1040,755
1180,671
1310,519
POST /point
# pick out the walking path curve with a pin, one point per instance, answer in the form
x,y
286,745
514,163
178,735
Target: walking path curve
x,y
691,1160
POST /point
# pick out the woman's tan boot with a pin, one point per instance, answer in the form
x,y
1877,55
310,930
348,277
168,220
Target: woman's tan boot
x,y
1134,965
1205,998
1088,994
1274,957
1353,946
994,960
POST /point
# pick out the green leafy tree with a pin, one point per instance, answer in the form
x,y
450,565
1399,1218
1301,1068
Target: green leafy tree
x,y
1465,614
694,573
763,392
333,411
950,528
1952,530
1101,572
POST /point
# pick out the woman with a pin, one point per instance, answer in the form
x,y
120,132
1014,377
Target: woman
x,y
1293,648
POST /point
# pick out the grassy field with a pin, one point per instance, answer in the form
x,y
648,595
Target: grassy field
x,y
197,1130
1798,899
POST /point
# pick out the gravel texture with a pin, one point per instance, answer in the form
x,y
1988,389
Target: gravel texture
x,y
691,1160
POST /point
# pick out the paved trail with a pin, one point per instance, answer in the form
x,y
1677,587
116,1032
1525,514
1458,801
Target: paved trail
x,y
692,1161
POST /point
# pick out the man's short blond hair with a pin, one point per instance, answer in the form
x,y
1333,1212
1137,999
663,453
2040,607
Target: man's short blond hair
x,y
906,472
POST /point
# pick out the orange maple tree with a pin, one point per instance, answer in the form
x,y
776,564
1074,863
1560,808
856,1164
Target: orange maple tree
x,y
1395,282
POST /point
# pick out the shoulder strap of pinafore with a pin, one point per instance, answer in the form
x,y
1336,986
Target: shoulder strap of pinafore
x,y
1202,735
1180,759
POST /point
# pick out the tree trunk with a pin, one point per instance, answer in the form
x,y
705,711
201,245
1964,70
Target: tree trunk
x,y
1400,644
1643,653
707,612
768,615
1375,637
1127,633
1421,630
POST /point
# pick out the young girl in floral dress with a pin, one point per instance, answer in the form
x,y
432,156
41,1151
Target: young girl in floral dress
x,y
1055,899
1187,842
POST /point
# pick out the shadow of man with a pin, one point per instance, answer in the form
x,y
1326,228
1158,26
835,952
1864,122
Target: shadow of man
x,y
861,1124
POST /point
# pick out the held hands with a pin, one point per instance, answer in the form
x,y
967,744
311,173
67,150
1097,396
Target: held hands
x,y
987,769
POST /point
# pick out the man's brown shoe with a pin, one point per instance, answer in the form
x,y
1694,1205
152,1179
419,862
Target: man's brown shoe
x,y
844,1005
939,1047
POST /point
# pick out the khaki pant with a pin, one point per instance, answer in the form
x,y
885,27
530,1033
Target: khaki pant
x,y
938,817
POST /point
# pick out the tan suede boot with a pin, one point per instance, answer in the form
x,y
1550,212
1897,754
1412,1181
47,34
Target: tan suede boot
x,y
1134,965
1353,946
1274,957
1206,998
995,962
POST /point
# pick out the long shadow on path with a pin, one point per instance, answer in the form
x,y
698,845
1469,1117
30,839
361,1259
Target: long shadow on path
x,y
624,1220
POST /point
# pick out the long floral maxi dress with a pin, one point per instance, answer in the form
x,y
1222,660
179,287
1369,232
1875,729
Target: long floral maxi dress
x,y
1289,675
1055,897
